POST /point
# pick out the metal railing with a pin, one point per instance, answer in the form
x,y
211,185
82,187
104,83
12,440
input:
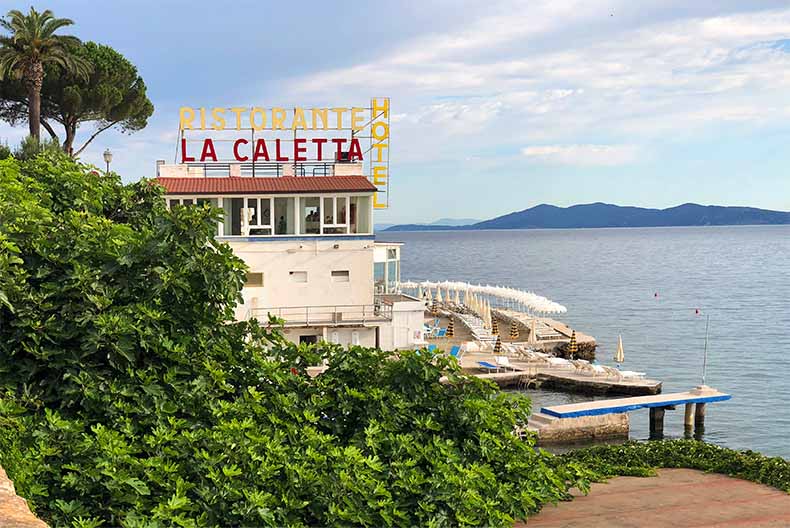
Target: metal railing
x,y
338,315
267,169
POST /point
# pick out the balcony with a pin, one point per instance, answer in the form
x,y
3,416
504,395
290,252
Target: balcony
x,y
340,315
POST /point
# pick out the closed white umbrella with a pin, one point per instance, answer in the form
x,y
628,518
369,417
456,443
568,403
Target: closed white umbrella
x,y
533,337
428,296
619,355
419,292
439,297
457,299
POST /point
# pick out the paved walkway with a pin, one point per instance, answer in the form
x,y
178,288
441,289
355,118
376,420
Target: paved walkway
x,y
676,498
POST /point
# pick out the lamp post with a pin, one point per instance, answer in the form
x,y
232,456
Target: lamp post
x,y
107,159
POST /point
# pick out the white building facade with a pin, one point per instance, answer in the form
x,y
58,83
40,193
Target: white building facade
x,y
309,244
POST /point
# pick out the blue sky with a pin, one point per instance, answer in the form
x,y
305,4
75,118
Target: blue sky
x,y
497,106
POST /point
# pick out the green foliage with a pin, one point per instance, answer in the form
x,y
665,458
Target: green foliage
x,y
130,397
640,459
32,40
113,95
5,151
30,147
30,46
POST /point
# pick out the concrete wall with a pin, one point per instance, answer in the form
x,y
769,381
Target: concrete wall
x,y
318,257
406,327
341,335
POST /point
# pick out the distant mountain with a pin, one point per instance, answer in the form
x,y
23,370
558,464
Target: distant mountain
x,y
440,224
455,221
607,215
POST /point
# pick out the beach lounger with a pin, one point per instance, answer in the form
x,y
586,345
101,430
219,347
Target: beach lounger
x,y
504,362
488,366
626,374
442,332
560,363
456,351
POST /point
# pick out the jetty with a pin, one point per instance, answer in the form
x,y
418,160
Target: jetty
x,y
524,374
608,418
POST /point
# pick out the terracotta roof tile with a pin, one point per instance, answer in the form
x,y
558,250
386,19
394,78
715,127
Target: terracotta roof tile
x,y
281,185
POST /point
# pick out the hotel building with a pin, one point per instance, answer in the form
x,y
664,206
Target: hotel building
x,y
305,231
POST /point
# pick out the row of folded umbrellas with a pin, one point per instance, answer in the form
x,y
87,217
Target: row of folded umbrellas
x,y
466,293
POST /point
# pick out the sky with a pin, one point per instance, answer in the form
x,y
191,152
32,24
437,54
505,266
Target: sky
x,y
497,106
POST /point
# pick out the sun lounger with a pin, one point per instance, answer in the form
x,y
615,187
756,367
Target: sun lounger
x,y
560,363
456,351
442,332
488,366
631,374
504,362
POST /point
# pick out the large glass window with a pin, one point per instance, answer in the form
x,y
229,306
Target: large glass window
x,y
231,224
335,214
392,274
285,216
379,277
310,217
259,212
359,214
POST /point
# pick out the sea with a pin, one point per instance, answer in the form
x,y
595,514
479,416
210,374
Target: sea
x,y
657,288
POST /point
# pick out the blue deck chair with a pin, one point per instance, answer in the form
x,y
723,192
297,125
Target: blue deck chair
x,y
442,332
456,351
431,348
488,366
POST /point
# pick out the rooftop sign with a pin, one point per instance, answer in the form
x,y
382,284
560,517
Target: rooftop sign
x,y
293,135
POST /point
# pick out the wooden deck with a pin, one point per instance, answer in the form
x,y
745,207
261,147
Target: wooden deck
x,y
621,405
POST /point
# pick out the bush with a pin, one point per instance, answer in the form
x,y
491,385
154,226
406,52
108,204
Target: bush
x,y
130,397
640,459
31,147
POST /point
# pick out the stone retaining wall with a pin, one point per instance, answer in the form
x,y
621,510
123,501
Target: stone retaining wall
x,y
584,428
14,512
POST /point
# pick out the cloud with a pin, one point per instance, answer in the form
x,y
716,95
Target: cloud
x,y
582,155
567,71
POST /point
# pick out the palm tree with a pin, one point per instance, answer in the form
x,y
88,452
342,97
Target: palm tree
x,y
32,44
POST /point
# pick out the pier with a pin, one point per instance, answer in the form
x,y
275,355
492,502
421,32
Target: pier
x,y
607,418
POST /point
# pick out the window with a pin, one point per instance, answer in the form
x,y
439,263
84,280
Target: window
x,y
392,254
254,279
298,276
335,214
359,214
231,224
310,215
285,216
335,337
259,214
355,338
378,276
340,276
392,274
309,339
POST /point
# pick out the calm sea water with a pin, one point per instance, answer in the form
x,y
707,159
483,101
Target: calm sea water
x,y
608,279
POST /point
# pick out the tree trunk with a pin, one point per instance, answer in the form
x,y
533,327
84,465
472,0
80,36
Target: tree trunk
x,y
68,142
34,79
